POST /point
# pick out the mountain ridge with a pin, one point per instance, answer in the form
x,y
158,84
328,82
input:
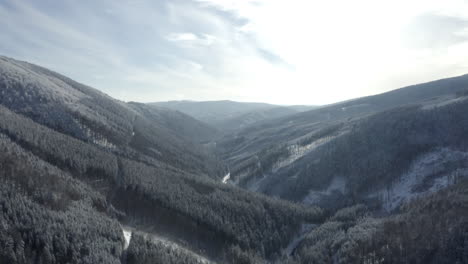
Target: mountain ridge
x,y
230,116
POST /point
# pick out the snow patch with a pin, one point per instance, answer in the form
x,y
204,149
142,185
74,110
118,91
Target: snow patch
x,y
160,240
30,76
95,137
298,151
442,102
338,184
429,173
227,177
103,142
173,246
127,236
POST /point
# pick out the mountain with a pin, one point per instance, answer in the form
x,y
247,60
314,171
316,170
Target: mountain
x,y
78,167
243,120
229,116
356,148
86,114
85,178
179,123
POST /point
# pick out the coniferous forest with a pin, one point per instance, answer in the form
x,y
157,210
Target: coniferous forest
x,y
385,182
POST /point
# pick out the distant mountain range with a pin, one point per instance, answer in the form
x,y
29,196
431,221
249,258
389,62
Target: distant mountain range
x,y
231,116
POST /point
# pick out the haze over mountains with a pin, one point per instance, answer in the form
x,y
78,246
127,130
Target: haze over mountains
x,y
379,179
229,115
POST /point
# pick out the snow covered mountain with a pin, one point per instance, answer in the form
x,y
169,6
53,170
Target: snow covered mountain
x,y
356,148
77,165
85,178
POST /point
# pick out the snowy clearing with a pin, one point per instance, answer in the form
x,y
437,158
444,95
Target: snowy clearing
x,y
428,174
442,102
161,240
227,177
297,152
128,236
338,184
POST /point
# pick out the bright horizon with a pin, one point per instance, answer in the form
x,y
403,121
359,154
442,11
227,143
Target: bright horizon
x,y
279,52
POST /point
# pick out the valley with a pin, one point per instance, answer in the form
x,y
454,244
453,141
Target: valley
x,y
86,178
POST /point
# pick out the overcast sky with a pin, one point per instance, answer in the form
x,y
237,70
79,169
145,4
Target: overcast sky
x,y
276,51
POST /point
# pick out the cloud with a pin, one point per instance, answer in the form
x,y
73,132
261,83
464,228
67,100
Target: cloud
x,y
182,37
344,49
436,31
304,52
187,37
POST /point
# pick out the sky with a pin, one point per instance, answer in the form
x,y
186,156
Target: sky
x,y
276,51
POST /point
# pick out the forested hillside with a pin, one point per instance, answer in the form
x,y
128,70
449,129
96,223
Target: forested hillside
x,y
85,178
329,155
86,114
374,152
148,173
429,230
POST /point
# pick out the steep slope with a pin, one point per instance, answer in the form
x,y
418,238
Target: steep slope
x,y
89,115
125,163
358,148
292,127
177,122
